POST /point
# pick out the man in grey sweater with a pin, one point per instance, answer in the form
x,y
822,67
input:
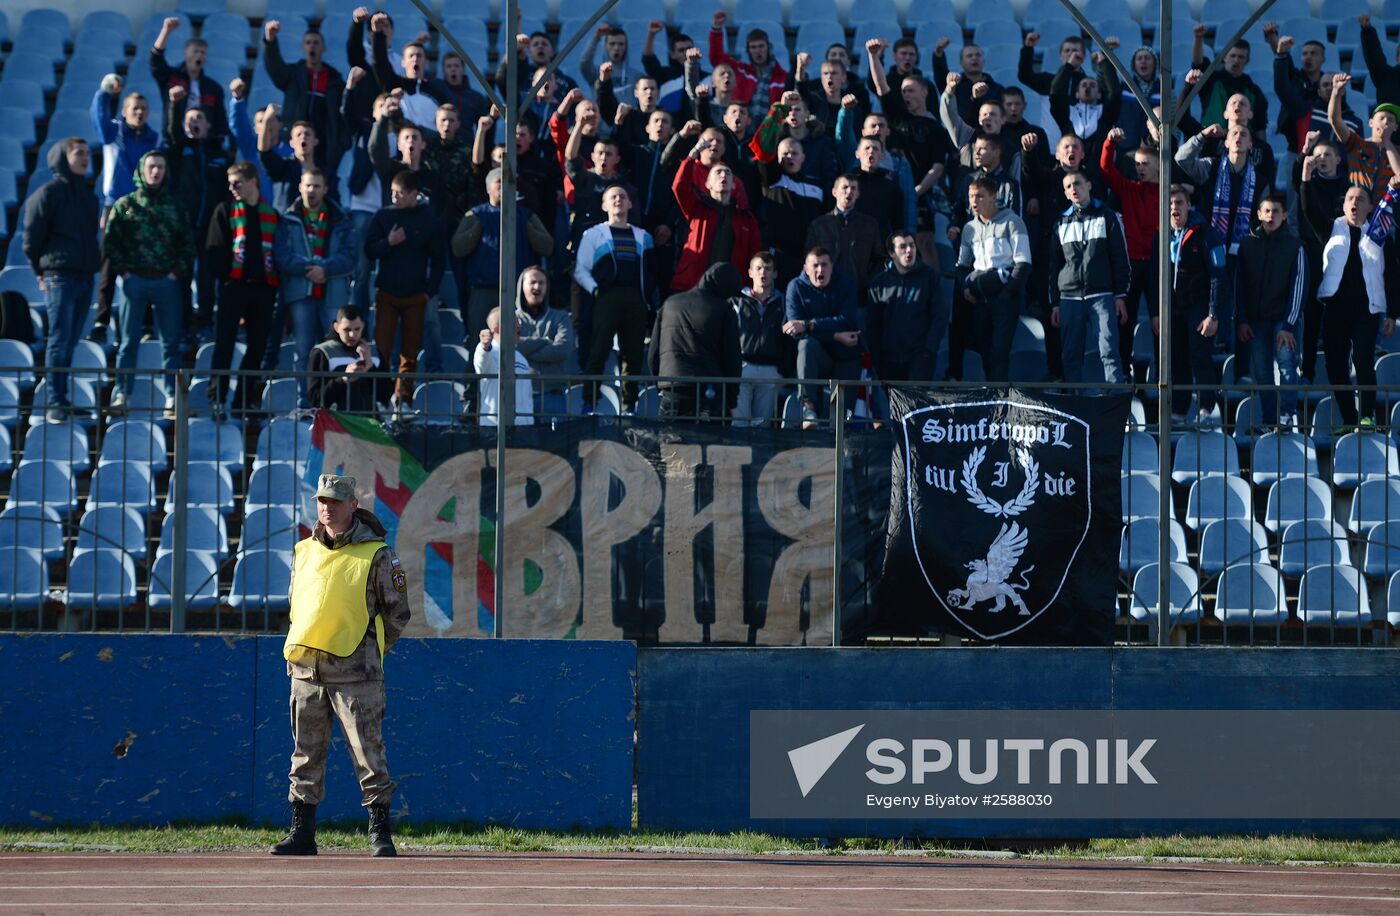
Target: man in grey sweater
x,y
546,339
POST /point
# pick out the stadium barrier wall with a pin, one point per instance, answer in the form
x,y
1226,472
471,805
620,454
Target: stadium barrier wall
x,y
695,743
146,729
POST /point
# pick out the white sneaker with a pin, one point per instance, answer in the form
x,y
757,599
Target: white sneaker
x,y
809,416
169,412
117,405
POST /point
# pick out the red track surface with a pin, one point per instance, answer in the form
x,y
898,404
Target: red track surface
x,y
639,883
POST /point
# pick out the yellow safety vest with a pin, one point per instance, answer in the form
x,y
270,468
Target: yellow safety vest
x,y
328,598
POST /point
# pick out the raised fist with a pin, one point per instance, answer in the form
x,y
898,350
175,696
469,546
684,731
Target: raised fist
x,y
270,29
352,79
170,23
692,129
1213,132
605,72
112,84
601,32
942,44
980,89
573,97
237,88
485,123
1285,44
719,19
876,47
1270,28
1311,140
1365,20
804,60
522,41
953,80
850,102
178,93
1029,140
656,27
379,22
1116,135
1200,30
1193,76
1097,57
361,14
1111,42
623,110
1032,39
791,98
702,92
1340,82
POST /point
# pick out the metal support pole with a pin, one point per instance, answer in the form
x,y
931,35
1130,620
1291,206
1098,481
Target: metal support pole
x,y
838,420
180,499
1166,136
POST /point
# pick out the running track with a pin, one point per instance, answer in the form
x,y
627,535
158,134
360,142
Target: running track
x,y
343,883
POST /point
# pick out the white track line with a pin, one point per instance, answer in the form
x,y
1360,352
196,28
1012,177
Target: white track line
x,y
461,905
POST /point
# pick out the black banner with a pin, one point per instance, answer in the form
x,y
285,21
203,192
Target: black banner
x,y
1004,516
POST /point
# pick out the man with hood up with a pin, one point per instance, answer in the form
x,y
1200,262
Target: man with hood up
x,y
349,598
150,247
60,244
697,334
1131,118
545,336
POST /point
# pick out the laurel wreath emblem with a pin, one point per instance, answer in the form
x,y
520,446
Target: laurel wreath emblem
x,y
1015,506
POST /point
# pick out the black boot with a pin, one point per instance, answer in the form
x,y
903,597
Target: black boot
x,y
381,835
302,840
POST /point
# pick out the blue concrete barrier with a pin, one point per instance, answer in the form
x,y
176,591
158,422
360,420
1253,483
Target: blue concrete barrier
x,y
696,753
147,729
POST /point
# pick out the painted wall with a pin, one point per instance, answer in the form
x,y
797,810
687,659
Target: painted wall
x,y
147,729
693,753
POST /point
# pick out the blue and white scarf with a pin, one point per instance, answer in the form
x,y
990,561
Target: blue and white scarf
x,y
1232,227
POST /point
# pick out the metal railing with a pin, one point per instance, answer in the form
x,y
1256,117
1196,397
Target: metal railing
x,y
179,516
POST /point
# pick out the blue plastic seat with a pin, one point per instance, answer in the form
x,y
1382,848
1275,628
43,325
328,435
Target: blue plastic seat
x,y
209,487
221,443
17,123
64,442
1139,544
204,531
81,392
883,12
1375,501
107,20
813,37
284,440
1184,594
1312,543
44,483
280,396
1141,495
101,579
1227,542
1382,557
1363,456
198,9
9,403
1139,452
439,403
113,528
272,528
37,69
456,360
274,485
1326,418
1218,496
127,485
1250,593
46,18
1297,499
25,93
70,122
17,363
24,578
9,189
12,155
1334,595
201,581
102,46
1277,455
261,580
42,41
39,527
137,441
648,402
1200,453
227,25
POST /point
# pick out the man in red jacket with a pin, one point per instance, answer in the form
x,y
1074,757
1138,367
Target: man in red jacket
x,y
1138,200
761,72
721,226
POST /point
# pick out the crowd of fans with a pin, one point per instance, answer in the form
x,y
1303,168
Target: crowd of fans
x,y
724,215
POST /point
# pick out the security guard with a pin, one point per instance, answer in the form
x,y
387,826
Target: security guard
x,y
349,603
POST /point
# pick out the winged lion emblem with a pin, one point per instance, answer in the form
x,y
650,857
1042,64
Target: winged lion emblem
x,y
989,577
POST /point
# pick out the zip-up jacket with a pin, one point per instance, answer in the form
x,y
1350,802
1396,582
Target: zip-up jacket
x,y
547,340
300,103
705,215
831,308
147,230
745,76
205,92
122,147
292,254
1000,244
198,168
1198,274
414,265
596,265
1271,278
1088,256
761,338
906,315
60,221
1139,202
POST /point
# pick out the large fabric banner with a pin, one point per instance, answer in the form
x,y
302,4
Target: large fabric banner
x,y
1004,515
621,528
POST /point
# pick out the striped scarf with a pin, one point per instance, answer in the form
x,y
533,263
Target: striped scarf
x,y
316,225
1220,218
1382,222
267,224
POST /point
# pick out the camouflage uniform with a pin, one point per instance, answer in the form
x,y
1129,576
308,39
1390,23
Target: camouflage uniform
x,y
351,689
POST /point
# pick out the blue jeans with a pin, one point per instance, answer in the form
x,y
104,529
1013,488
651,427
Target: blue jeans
x,y
1264,352
68,295
1077,318
311,322
361,291
164,296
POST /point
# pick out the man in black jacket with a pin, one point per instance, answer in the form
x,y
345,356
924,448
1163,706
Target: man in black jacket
x,y
1089,274
767,352
697,334
852,237
311,90
60,244
1271,283
908,316
199,173
203,92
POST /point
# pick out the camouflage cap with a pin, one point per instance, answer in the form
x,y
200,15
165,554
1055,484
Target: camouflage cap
x,y
332,487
